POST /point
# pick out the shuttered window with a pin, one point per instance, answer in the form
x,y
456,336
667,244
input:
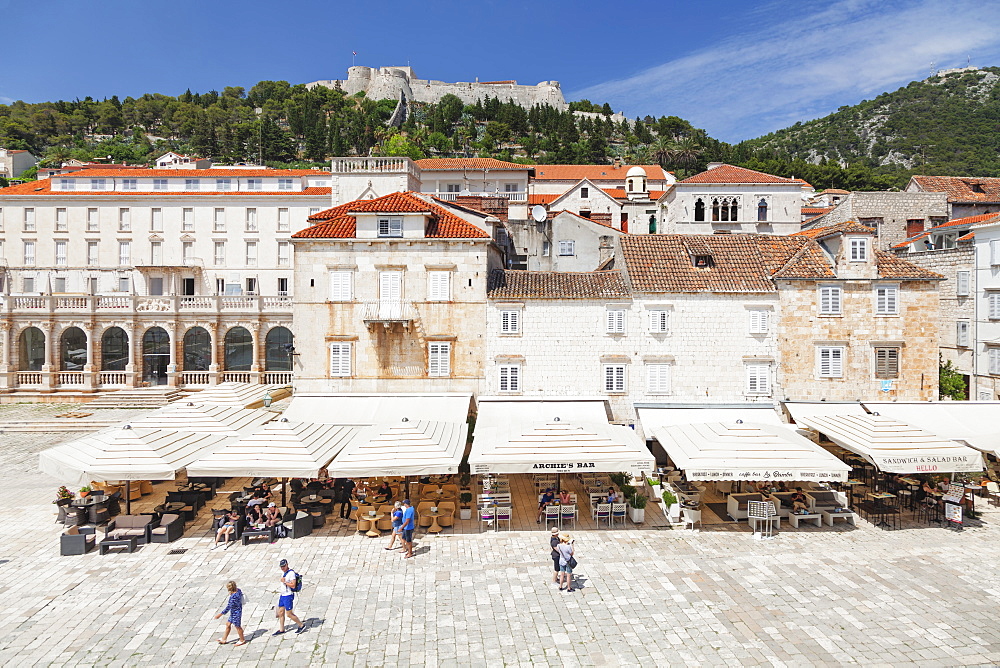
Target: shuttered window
x,y
510,321
962,283
658,379
659,321
995,252
390,286
340,359
340,286
758,378
886,300
830,300
390,227
994,356
760,321
439,359
962,333
510,378
994,300
887,362
615,321
614,377
831,362
438,285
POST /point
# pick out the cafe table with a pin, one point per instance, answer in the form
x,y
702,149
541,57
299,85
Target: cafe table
x,y
972,488
434,527
881,508
373,532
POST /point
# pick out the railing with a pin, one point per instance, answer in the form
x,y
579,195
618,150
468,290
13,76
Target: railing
x,y
145,304
113,378
373,166
278,377
29,378
389,311
452,197
69,378
196,377
239,377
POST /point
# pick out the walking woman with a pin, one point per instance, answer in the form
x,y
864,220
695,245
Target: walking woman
x,y
234,606
554,545
397,524
566,562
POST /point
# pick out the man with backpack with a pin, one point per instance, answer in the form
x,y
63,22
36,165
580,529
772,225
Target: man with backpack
x,y
291,582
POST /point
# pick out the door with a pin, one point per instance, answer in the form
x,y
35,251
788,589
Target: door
x,y
188,286
155,356
390,292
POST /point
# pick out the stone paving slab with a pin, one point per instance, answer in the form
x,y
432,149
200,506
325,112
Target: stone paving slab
x,y
925,597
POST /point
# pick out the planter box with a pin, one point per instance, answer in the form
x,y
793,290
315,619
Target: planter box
x,y
465,513
637,515
657,493
674,513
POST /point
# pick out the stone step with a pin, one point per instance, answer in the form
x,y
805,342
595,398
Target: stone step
x,y
137,398
56,426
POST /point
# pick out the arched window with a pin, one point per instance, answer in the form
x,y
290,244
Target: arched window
x,y
699,210
631,185
31,350
277,350
155,355
114,349
239,349
762,210
72,350
197,349
715,211
734,210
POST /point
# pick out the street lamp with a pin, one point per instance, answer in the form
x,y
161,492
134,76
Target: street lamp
x,y
267,399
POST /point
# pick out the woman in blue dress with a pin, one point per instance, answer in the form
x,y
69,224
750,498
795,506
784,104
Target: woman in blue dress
x,y
234,606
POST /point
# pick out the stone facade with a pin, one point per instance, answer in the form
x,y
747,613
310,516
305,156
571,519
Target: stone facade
x,y
895,216
389,83
564,242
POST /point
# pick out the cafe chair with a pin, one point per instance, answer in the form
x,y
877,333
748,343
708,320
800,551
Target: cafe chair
x,y
423,513
993,490
145,487
77,540
552,514
602,512
171,528
487,515
364,522
690,517
385,523
503,515
446,510
301,525
618,511
567,513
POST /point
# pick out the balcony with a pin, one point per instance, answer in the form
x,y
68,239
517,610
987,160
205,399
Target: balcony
x,y
514,197
169,304
375,166
386,312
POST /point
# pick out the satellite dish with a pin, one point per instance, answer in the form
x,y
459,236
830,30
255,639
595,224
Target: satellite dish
x,y
538,213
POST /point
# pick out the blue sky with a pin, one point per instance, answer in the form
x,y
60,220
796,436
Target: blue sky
x,y
738,69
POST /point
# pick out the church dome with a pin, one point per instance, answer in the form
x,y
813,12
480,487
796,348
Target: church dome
x,y
636,171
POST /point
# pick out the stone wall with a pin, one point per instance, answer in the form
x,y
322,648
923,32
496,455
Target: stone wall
x,y
953,307
889,211
784,208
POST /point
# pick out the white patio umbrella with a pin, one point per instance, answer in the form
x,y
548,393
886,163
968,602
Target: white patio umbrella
x,y
407,448
124,453
206,419
241,395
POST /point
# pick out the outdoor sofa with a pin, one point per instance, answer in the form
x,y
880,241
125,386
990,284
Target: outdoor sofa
x,y
77,540
171,528
126,526
737,505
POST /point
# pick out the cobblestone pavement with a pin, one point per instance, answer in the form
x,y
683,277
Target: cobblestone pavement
x,y
924,596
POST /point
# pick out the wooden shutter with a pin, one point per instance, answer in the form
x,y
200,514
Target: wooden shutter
x,y
614,378
438,359
510,321
829,299
340,359
886,300
340,286
887,362
758,378
831,362
759,321
659,321
616,321
439,285
962,283
390,286
658,378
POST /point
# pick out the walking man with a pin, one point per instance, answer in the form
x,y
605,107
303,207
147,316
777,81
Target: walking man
x,y
287,599
409,524
345,489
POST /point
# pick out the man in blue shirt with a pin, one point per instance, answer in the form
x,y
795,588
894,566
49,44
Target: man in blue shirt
x,y
409,524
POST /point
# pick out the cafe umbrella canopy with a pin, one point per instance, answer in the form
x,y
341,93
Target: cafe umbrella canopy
x,y
738,450
405,448
205,419
894,446
975,423
124,453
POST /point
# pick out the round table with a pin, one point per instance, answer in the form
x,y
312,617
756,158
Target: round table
x,y
372,531
434,527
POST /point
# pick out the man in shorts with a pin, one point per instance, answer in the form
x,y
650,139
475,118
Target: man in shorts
x,y
287,599
409,524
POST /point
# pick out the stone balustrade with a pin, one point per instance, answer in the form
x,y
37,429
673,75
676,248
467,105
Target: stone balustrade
x,y
167,304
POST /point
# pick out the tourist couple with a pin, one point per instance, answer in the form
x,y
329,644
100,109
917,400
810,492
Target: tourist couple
x,y
404,521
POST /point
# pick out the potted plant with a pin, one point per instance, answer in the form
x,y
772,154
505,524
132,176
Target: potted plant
x,y
654,484
63,496
627,491
465,511
672,507
84,491
637,508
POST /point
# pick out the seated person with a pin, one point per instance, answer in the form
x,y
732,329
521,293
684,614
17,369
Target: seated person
x,y
255,514
612,496
384,493
314,485
227,528
781,486
263,492
271,516
799,501
547,498
564,498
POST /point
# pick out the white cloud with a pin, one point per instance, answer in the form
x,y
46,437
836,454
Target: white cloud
x,y
806,66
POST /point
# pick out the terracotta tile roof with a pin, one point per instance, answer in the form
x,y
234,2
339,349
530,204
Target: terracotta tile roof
x,y
835,191
962,188
816,210
338,223
957,222
542,200
846,227
512,284
891,265
968,236
808,262
734,174
739,262
593,172
103,171
452,164
619,193
44,187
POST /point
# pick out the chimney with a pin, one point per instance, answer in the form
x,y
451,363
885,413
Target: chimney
x,y
713,165
617,163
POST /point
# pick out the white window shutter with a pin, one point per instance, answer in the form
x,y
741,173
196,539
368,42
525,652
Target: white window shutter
x,y
390,286
616,321
510,378
510,321
759,321
994,305
439,359
657,378
340,286
994,356
962,333
340,359
659,321
758,378
995,252
439,285
962,283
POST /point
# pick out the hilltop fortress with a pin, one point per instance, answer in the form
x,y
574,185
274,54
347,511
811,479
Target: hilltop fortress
x,y
395,83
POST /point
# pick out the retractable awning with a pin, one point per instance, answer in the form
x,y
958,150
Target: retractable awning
x,y
652,416
894,446
410,448
241,395
559,436
378,408
205,419
124,453
975,423
282,449
747,451
805,409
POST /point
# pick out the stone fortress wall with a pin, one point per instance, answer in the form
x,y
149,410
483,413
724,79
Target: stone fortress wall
x,y
387,83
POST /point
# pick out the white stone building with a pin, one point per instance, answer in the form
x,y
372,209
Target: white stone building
x,y
14,162
171,160
732,199
986,318
119,277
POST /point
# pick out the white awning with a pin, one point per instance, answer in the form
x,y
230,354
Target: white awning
x,y
573,436
653,417
241,395
805,409
977,423
282,449
205,419
124,453
378,408
894,446
411,448
747,451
